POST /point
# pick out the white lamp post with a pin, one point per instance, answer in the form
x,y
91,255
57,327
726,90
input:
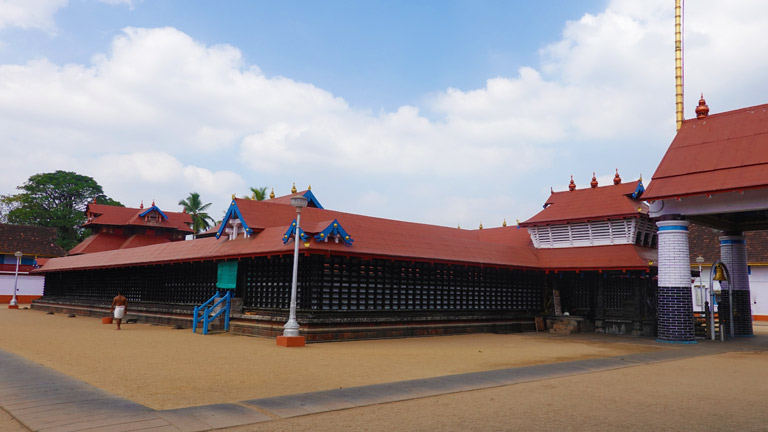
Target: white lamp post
x,y
18,256
711,315
291,328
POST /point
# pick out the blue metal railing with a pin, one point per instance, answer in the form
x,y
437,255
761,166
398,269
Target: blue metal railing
x,y
210,313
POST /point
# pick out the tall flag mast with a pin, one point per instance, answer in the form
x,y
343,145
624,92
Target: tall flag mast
x,y
679,63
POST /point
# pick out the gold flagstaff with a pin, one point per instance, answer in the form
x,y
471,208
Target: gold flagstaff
x,y
679,63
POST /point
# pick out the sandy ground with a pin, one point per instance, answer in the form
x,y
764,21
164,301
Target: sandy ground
x,y
725,392
165,368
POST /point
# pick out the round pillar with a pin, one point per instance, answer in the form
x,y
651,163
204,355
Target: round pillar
x,y
733,253
675,306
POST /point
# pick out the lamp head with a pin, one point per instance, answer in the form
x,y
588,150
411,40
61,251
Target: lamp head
x,y
299,201
700,260
18,254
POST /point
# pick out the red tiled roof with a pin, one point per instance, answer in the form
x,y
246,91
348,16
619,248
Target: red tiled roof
x,y
124,216
374,237
101,242
718,153
30,240
704,241
580,205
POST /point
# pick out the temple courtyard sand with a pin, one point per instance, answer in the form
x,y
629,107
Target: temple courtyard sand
x,y
163,368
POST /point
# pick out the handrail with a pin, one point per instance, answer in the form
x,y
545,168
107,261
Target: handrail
x,y
207,317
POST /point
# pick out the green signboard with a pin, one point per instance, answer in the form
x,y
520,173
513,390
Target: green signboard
x,y
227,275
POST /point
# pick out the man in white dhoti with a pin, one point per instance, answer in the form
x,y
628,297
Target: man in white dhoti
x,y
119,306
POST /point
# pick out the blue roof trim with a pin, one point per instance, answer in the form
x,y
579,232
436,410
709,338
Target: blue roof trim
x,y
333,229
155,208
312,200
233,211
292,230
638,190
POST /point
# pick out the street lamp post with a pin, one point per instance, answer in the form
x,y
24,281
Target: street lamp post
x,y
703,290
14,304
291,328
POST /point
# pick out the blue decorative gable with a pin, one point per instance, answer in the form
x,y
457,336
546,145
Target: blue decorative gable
x,y
154,208
233,212
312,200
334,230
292,231
638,190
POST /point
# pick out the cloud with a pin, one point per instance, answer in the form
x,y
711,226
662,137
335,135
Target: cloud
x,y
30,14
162,114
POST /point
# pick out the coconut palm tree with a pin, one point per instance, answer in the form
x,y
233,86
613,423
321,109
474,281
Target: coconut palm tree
x,y
259,194
201,221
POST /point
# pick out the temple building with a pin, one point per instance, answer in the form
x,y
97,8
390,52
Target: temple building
x,y
714,174
368,277
123,227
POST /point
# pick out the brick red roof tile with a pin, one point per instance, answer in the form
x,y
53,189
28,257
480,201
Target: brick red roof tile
x,y
374,237
126,216
718,153
704,241
31,240
580,205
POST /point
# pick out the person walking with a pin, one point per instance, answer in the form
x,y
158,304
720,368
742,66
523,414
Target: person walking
x,y
119,307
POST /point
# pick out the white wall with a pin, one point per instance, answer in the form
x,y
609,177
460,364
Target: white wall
x,y
758,289
28,284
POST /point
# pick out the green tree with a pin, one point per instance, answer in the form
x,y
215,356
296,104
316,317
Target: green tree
x,y
194,206
56,200
259,194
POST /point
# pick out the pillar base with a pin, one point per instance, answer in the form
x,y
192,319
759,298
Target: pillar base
x,y
291,341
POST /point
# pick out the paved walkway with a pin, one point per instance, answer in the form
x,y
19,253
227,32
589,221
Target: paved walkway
x,y
46,400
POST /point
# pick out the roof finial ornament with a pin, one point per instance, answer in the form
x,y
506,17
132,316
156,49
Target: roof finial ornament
x,y
153,202
593,183
309,187
459,226
551,190
617,178
184,210
481,224
702,110
94,200
293,189
272,194
504,223
142,204
571,185
233,196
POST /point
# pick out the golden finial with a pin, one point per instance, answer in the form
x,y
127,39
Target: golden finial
x,y
518,221
293,189
272,194
233,196
309,187
641,178
253,196
481,224
504,223
459,226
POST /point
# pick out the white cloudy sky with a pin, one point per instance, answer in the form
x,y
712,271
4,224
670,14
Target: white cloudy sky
x,y
449,129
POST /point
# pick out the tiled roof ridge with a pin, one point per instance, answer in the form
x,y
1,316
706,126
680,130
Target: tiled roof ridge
x,y
726,113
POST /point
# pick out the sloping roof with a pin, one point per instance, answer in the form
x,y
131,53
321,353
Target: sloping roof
x,y
30,240
704,241
126,216
581,205
718,153
374,237
101,242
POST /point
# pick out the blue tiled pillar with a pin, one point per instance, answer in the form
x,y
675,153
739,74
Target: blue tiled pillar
x,y
733,253
675,306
